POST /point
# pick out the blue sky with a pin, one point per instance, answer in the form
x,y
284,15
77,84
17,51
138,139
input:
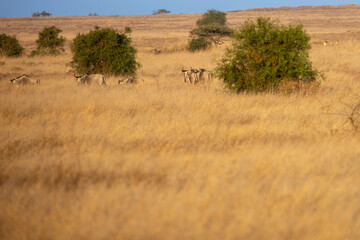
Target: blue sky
x,y
22,8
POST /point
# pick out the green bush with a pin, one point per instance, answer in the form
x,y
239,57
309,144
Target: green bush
x,y
10,46
104,51
264,54
49,42
212,27
199,43
212,17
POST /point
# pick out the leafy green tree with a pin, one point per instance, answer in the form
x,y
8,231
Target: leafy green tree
x,y
160,11
264,54
10,46
199,43
213,32
212,17
212,26
49,42
105,51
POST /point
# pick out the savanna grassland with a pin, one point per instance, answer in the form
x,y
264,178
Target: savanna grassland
x,y
167,160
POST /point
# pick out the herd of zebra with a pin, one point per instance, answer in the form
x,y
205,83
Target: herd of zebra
x,y
191,75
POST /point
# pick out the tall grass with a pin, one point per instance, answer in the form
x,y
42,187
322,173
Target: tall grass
x,y
167,160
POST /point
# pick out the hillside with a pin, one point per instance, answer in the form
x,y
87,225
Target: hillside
x,y
322,22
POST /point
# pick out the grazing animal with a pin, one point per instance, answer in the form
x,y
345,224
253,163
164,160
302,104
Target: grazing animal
x,y
330,43
157,51
187,74
24,80
91,79
184,71
195,71
201,74
129,80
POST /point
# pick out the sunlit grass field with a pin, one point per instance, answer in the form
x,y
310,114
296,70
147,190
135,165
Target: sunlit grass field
x,y
167,160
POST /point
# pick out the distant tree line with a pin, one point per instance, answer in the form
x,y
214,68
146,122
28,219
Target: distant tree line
x,y
41,14
160,11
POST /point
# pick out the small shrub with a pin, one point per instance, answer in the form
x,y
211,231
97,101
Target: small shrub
x,y
264,54
127,30
10,46
105,51
49,42
199,43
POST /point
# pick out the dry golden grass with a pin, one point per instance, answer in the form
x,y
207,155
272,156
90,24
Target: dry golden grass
x,y
166,160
